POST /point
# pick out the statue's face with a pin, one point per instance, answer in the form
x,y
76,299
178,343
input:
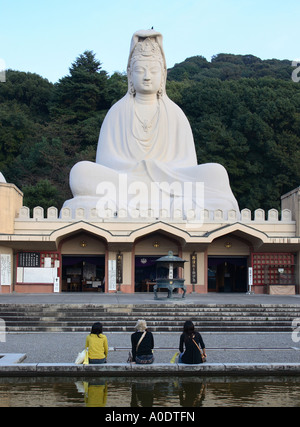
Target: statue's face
x,y
146,76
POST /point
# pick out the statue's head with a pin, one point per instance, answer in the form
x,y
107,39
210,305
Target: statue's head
x,y
147,70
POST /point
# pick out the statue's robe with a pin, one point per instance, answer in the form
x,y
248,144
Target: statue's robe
x,y
166,153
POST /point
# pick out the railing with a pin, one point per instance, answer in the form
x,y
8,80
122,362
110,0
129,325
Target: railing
x,y
218,216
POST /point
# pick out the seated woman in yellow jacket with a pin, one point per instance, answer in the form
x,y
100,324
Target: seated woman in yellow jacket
x,y
97,345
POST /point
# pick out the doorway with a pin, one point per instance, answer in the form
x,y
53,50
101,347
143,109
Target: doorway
x,y
227,274
145,273
83,274
146,270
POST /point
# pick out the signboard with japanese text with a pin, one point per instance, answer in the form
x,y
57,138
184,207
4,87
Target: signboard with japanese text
x,y
193,268
5,270
29,259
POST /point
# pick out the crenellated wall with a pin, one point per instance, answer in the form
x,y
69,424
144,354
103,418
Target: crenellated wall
x,y
217,216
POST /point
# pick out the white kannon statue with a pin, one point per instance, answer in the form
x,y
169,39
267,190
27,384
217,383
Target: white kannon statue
x,y
146,147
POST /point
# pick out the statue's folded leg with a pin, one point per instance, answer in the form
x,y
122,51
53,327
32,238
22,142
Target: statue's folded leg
x,y
217,190
89,182
86,177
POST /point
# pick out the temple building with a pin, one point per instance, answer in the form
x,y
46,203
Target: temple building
x,y
44,252
143,197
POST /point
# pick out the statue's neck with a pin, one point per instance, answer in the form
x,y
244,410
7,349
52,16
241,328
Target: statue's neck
x,y
146,99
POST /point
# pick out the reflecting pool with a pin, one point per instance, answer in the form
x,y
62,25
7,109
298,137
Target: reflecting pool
x,y
150,392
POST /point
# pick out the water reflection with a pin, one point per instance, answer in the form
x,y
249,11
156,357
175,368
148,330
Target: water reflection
x,y
95,392
192,394
186,394
142,394
150,392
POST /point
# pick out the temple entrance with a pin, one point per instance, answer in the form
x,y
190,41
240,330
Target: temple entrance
x,y
83,273
147,250
227,274
145,273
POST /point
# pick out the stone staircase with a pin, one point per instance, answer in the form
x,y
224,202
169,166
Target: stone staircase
x,y
160,318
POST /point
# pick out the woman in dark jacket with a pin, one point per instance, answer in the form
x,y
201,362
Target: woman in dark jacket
x,y
142,344
190,345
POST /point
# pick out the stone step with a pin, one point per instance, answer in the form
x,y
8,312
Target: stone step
x,y
83,314
124,316
108,307
121,316
150,320
163,317
218,328
154,324
154,311
177,320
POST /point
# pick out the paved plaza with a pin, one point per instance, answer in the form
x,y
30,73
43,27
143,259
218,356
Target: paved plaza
x,y
146,298
237,347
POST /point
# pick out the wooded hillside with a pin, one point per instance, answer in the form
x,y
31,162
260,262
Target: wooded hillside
x,y
244,113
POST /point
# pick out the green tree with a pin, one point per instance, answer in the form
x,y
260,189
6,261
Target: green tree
x,y
82,93
43,194
15,128
30,90
117,87
46,159
230,67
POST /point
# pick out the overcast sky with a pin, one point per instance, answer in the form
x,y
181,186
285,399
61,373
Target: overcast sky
x,y
46,36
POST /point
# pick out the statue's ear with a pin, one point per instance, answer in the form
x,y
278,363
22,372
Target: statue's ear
x,y
131,89
163,83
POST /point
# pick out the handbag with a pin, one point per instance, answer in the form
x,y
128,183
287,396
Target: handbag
x,y
201,353
82,358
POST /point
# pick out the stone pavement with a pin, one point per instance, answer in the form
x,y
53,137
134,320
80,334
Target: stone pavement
x,y
146,298
222,348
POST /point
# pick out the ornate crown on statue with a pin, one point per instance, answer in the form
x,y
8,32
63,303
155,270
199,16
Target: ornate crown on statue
x,y
146,48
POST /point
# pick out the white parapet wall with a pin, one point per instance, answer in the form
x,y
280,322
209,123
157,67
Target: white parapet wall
x,y
217,216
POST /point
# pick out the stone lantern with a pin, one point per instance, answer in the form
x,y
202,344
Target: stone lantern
x,y
165,277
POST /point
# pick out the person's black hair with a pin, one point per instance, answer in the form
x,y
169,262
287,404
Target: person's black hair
x,y
189,328
97,328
